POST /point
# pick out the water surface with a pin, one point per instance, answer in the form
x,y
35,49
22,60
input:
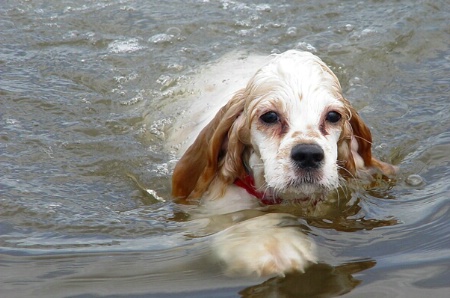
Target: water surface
x,y
84,88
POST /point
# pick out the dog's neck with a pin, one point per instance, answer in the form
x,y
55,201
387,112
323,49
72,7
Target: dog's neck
x,y
248,183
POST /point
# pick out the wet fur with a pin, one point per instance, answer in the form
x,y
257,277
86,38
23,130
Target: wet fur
x,y
234,143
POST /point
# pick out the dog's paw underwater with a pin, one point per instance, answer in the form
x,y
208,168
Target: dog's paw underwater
x,y
267,245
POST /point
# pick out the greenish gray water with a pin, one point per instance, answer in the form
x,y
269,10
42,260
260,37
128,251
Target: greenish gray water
x,y
82,86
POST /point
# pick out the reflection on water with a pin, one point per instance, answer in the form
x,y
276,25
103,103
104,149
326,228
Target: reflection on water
x,y
320,280
89,90
169,271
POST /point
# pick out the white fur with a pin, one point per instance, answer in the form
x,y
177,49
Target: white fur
x,y
271,244
301,91
296,85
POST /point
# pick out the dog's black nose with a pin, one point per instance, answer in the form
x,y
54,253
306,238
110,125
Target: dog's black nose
x,y
307,156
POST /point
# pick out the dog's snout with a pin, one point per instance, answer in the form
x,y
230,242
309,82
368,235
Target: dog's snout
x,y
307,156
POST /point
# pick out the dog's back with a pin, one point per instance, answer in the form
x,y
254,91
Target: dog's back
x,y
208,90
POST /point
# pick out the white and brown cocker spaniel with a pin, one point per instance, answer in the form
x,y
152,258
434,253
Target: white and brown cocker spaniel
x,y
288,136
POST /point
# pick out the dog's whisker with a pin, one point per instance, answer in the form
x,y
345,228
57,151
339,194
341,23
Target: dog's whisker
x,y
344,169
362,138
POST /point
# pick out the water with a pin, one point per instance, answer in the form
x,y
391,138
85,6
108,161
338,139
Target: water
x,y
84,89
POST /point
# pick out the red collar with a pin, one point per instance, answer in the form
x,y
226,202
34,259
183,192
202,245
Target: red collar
x,y
248,183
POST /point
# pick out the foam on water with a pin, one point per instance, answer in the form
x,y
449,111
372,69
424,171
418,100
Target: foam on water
x,y
125,46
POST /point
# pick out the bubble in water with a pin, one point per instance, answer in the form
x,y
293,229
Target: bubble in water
x,y
291,31
335,47
125,46
349,27
414,180
174,31
171,34
161,38
306,47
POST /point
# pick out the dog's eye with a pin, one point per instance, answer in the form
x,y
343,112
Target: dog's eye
x,y
333,117
270,117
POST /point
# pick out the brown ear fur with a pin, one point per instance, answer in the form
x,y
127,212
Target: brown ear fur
x,y
363,137
200,164
359,132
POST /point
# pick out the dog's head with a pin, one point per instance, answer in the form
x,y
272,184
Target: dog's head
x,y
291,129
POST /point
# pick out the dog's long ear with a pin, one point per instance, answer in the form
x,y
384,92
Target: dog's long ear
x,y
216,153
355,150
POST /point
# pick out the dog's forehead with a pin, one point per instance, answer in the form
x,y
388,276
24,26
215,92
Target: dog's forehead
x,y
297,78
300,68
293,56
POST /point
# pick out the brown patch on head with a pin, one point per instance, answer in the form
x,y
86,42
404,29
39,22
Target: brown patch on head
x,y
347,167
215,154
270,132
312,134
323,130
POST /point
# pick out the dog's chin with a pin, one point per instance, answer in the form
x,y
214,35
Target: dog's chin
x,y
301,197
304,193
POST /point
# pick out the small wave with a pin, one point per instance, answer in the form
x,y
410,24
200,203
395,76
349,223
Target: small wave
x,y
125,46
